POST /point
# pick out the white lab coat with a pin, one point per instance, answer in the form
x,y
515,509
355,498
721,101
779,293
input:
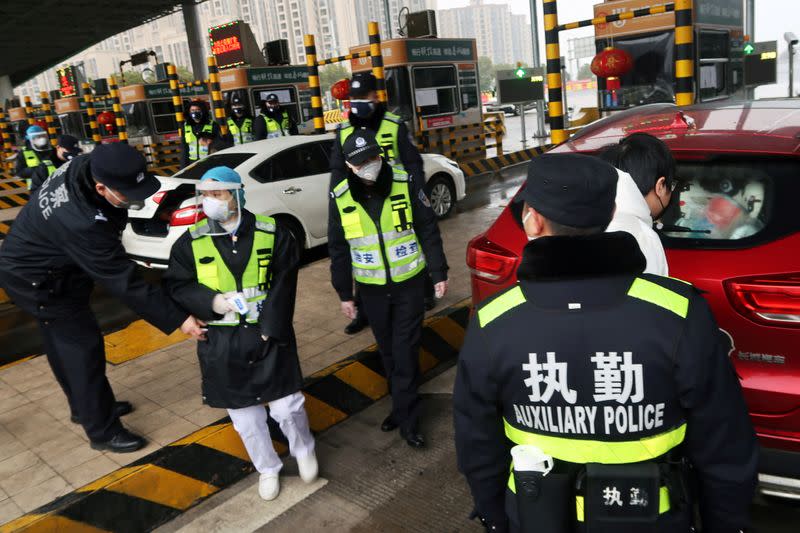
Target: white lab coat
x,y
633,216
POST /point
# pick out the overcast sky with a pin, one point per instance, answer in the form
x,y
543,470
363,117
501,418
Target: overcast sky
x,y
773,17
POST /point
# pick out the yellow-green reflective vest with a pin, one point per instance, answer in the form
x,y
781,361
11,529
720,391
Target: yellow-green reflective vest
x,y
32,161
215,274
241,135
400,246
582,451
196,150
387,136
275,128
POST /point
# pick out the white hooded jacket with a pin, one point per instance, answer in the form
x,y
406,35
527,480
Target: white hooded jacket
x,y
633,216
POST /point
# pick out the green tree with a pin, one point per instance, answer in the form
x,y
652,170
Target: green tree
x,y
585,72
130,77
184,74
486,71
330,74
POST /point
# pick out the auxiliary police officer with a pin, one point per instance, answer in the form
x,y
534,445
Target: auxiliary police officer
x,y
274,121
66,148
382,233
623,378
62,242
240,120
199,121
37,152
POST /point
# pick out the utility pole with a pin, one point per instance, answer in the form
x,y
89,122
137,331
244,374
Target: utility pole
x,y
191,20
750,30
388,16
540,133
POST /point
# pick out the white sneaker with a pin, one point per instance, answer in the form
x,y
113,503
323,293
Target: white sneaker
x,y
269,486
308,467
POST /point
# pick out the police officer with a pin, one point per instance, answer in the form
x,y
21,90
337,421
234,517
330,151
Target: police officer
x,y
381,233
62,242
199,121
366,111
621,377
240,120
274,121
37,151
66,148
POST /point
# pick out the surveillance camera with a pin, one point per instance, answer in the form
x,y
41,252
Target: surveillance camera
x,y
791,38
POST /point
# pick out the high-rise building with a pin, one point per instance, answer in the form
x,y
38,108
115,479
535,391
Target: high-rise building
x,y
500,35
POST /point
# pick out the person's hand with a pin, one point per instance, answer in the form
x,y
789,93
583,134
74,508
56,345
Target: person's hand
x,y
349,309
194,328
264,338
440,289
221,305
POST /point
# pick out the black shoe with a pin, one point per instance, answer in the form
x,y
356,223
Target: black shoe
x,y
430,303
388,424
413,438
120,409
358,323
122,442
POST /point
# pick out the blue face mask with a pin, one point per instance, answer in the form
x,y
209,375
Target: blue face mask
x,y
362,108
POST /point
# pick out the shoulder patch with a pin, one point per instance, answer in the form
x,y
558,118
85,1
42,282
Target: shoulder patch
x,y
656,294
340,189
507,301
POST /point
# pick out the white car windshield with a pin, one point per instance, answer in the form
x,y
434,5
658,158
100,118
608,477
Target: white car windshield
x,y
196,170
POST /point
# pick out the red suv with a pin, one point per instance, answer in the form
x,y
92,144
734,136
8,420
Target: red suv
x,y
733,231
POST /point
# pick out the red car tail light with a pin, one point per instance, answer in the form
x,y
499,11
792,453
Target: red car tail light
x,y
186,216
771,300
157,197
489,261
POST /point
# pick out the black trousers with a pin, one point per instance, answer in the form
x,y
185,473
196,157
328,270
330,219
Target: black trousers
x,y
76,353
395,314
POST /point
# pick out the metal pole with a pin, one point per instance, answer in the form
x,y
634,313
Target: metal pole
x,y
377,59
194,36
566,105
122,131
684,53
217,104
29,111
313,84
49,118
91,113
540,132
8,149
791,70
555,106
750,31
388,16
522,121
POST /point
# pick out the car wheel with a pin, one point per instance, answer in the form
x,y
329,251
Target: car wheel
x,y
442,195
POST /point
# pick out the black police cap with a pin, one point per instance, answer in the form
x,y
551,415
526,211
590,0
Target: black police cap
x,y
68,142
124,169
362,84
572,189
361,146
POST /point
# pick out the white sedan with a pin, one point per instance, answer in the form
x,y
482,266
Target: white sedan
x,y
287,178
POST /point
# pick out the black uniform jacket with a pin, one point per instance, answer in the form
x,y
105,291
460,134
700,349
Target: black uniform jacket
x,y
25,172
197,129
66,238
372,199
409,154
260,125
239,369
579,308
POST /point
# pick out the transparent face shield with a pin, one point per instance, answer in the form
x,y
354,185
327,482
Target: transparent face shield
x,y
220,203
39,141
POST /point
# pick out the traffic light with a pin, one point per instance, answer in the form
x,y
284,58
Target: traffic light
x,y
748,48
520,72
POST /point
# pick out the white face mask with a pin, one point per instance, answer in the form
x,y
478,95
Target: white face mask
x,y
216,209
524,220
135,205
40,142
369,171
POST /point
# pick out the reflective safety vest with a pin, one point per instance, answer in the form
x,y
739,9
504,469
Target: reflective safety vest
x,y
196,151
395,242
386,135
583,451
243,135
215,274
32,161
275,128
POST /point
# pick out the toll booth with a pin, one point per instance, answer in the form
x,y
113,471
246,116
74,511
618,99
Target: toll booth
x,y
432,84
718,32
149,111
18,121
74,119
289,83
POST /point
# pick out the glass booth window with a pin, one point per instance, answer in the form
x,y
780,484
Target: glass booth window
x,y
468,79
136,118
72,124
436,90
287,96
164,117
398,91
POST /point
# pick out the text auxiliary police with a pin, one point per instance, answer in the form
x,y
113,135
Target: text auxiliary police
x,y
621,378
238,272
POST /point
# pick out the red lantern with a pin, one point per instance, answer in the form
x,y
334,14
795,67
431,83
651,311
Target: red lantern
x,y
41,123
341,89
106,117
611,62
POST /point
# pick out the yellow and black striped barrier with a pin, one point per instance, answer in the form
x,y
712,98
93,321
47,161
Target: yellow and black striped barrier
x,y
177,101
49,119
8,148
5,227
684,55
217,103
29,110
377,60
164,484
122,129
91,113
494,164
340,59
313,83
